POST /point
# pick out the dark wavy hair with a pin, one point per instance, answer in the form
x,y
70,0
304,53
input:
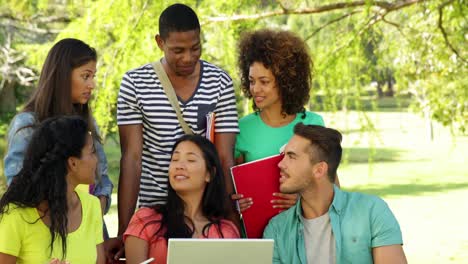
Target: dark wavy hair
x,y
43,176
53,94
287,57
214,200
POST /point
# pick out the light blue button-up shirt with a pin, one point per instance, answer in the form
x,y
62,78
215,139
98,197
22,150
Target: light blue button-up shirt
x,y
19,136
359,223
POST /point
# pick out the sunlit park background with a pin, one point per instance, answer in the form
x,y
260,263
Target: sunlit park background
x,y
392,76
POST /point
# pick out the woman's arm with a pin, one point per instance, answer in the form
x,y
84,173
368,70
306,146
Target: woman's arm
x,y
136,250
7,259
239,160
19,136
104,186
101,255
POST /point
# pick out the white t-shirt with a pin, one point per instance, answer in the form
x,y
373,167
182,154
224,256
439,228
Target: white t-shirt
x,y
319,240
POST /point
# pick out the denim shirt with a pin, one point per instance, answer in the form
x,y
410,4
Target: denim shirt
x,y
359,223
19,136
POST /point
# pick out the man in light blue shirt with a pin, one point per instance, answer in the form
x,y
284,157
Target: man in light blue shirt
x,y
328,225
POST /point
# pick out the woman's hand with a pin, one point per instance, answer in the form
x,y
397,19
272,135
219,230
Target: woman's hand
x,y
244,203
57,261
287,201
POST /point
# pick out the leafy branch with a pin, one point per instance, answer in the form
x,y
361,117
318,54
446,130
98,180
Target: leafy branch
x,y
440,25
38,24
332,22
388,6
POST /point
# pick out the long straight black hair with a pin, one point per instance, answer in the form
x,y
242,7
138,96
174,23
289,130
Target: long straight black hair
x,y
43,176
214,199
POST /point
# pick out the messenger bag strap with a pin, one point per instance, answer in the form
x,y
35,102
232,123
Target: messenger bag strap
x,y
171,95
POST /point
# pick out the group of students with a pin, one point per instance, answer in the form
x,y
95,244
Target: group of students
x,y
181,181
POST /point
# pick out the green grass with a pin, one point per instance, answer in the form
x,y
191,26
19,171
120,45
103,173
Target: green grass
x,y
367,102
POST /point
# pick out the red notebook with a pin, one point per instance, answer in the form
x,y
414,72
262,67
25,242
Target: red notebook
x,y
258,179
210,126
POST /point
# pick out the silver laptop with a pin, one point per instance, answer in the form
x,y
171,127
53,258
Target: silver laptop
x,y
226,251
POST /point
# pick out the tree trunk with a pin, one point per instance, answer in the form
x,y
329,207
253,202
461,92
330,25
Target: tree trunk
x,y
380,93
429,126
390,91
7,98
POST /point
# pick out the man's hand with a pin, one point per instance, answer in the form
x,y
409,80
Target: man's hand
x,y
287,201
114,248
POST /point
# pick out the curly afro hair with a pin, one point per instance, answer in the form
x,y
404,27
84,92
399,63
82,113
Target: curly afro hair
x,y
287,57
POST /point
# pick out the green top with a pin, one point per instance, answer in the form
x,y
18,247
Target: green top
x,y
359,223
257,140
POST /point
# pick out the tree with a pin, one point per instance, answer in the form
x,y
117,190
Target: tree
x,y
24,22
428,55
420,42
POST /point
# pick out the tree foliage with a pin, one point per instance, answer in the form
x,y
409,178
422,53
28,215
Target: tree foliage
x,y
419,44
25,23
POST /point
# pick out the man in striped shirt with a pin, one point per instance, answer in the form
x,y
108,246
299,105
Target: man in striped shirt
x,y
148,125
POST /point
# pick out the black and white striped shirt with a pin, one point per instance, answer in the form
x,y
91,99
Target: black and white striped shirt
x,y
142,101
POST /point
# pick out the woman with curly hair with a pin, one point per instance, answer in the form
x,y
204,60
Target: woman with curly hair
x,y
276,73
196,205
43,219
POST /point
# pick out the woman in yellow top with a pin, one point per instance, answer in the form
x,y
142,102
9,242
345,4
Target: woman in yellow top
x,y
43,219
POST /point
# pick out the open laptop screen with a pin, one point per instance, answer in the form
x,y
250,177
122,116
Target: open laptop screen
x,y
226,251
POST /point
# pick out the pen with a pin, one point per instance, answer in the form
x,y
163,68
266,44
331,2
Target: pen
x,y
147,261
238,209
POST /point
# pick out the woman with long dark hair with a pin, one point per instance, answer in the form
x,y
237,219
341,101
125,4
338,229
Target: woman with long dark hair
x,y
196,204
42,217
64,88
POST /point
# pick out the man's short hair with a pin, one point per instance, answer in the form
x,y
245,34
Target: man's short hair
x,y
325,143
177,18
